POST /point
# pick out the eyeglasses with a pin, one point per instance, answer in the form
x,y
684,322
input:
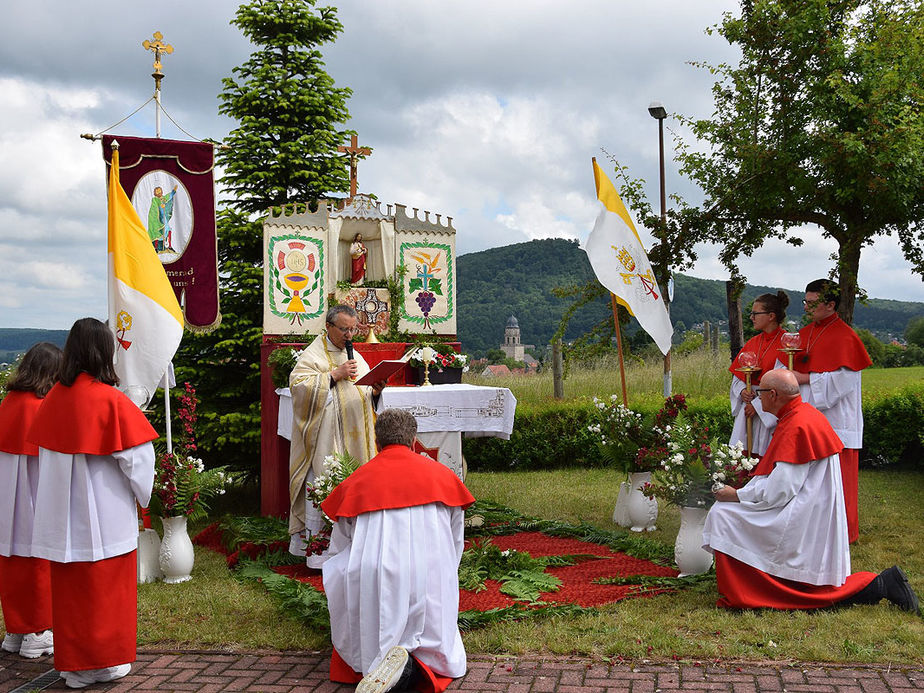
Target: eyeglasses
x,y
758,390
760,312
344,330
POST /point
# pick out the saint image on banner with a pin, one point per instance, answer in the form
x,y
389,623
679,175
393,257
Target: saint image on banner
x,y
161,200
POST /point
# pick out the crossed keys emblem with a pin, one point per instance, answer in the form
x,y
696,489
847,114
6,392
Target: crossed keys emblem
x,y
647,279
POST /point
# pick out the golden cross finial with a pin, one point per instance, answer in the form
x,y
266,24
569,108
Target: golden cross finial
x,y
159,47
354,151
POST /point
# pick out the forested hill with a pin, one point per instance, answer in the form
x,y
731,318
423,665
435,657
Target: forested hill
x,y
518,280
15,341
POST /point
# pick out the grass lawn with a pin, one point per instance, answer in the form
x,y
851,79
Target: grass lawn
x,y
216,611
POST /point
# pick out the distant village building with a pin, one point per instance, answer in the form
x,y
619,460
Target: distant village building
x,y
511,346
495,371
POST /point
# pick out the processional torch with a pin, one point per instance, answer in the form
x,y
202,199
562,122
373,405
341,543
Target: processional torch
x,y
747,364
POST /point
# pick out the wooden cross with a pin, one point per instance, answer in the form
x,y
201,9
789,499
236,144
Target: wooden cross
x,y
354,151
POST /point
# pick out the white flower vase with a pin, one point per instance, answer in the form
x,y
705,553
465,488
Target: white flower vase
x,y
689,555
641,511
176,551
621,511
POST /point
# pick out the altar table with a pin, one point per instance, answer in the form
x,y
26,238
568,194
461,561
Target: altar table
x,y
443,412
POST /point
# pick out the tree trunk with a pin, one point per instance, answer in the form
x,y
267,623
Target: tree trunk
x,y
848,260
735,328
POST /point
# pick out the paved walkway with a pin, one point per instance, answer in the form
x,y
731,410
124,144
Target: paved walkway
x,y
285,672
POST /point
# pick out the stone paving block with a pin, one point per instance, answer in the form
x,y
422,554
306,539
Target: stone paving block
x,y
543,684
580,689
897,679
769,682
793,676
744,686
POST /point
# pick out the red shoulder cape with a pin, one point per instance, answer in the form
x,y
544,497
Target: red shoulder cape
x,y
90,418
396,478
830,344
765,347
17,412
802,435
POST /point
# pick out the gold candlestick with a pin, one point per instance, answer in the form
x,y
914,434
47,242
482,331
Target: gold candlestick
x,y
425,355
748,370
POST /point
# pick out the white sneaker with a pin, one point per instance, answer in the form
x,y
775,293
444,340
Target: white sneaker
x,y
12,642
82,679
37,644
384,677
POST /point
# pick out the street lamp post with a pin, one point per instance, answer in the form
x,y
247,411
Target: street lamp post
x,y
658,112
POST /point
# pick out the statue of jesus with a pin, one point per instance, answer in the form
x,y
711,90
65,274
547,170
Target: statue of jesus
x,y
357,260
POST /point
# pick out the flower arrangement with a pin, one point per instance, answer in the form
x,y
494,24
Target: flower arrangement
x,y
629,442
182,484
693,464
281,361
444,356
337,467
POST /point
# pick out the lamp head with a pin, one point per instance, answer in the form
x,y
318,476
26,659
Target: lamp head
x,y
657,110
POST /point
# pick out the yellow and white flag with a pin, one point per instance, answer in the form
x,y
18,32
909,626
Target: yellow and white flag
x,y
619,260
143,310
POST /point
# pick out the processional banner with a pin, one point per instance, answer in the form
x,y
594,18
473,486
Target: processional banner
x,y
171,186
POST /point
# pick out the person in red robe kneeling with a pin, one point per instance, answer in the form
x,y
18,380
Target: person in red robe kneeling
x,y
780,541
95,461
25,582
392,580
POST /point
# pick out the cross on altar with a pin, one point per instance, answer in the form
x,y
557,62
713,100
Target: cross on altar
x,y
354,151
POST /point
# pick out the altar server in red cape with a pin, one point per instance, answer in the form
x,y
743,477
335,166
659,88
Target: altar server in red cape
x,y
392,577
780,541
828,370
25,582
95,461
767,314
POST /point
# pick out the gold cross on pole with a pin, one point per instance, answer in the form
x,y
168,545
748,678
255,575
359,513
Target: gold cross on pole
x,y
354,151
159,47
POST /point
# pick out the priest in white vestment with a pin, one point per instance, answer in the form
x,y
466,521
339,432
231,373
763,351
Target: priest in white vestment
x,y
391,580
330,415
780,541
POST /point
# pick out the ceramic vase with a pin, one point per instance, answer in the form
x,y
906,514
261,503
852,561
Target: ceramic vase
x,y
633,509
689,555
176,551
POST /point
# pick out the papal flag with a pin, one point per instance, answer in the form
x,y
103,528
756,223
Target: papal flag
x,y
143,310
618,259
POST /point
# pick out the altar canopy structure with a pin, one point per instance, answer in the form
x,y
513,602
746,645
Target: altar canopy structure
x,y
307,254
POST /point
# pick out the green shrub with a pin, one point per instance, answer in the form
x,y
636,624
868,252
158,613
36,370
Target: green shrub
x,y
555,435
893,428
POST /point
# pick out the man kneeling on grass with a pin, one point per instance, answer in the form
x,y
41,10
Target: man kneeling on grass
x,y
392,579
780,542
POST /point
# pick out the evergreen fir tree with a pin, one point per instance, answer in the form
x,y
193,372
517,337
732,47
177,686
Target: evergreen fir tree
x,y
283,151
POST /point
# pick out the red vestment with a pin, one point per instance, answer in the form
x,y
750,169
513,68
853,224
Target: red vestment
x,y
828,346
94,603
395,478
802,436
25,582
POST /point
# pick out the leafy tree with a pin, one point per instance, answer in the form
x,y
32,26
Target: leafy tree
x,y
821,122
914,332
282,151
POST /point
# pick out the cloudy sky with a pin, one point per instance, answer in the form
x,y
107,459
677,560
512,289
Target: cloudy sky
x,y
485,111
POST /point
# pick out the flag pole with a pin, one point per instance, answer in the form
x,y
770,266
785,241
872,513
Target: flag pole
x,y
622,368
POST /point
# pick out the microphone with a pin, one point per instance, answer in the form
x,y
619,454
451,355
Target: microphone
x,y
348,345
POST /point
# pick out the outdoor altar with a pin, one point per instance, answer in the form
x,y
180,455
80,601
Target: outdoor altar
x,y
396,268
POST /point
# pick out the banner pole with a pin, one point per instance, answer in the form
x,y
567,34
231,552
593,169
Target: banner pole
x,y
622,368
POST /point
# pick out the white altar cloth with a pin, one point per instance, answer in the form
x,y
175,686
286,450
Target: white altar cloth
x,y
474,410
444,413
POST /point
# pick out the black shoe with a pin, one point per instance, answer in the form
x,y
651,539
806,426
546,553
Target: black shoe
x,y
898,591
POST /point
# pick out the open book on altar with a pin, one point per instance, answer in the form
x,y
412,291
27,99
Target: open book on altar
x,y
383,370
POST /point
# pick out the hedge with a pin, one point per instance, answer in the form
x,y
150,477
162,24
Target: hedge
x,y
555,435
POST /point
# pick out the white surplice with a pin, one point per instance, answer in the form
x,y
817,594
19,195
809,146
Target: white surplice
x,y
392,580
790,523
18,483
85,504
762,423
